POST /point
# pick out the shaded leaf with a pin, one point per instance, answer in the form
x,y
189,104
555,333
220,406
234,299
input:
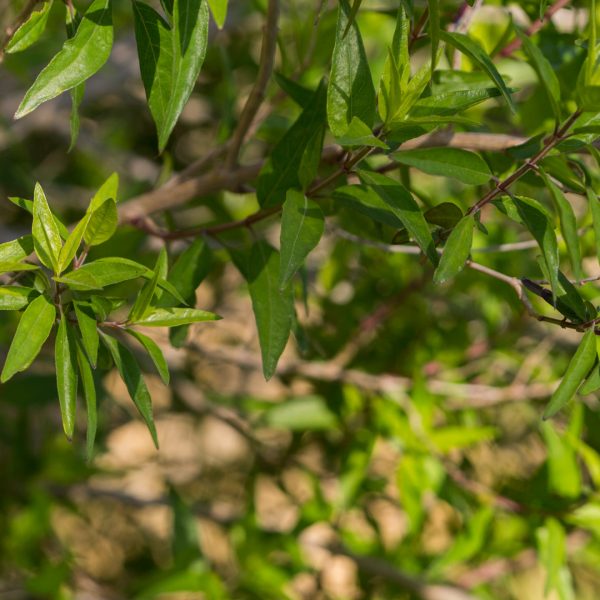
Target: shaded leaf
x,y
403,205
568,224
537,220
155,354
456,251
89,392
302,225
144,298
578,369
88,326
273,308
132,377
281,171
350,92
544,70
445,215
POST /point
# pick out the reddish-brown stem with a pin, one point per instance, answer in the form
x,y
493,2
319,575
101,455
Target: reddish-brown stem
x,y
501,187
535,26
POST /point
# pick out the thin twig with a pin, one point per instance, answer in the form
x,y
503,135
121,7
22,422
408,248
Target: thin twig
x,y
257,95
183,188
514,282
459,395
502,187
535,26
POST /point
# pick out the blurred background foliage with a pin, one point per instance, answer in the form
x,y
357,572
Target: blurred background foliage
x,y
398,452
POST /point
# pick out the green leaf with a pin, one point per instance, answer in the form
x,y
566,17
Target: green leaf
x,y
560,169
298,93
281,171
273,308
77,94
396,70
28,206
302,225
170,317
144,298
66,375
477,54
33,330
132,377
109,190
594,203
218,8
311,158
352,17
31,30
350,92
568,224
578,369
88,326
80,57
190,269
72,243
412,92
155,354
89,392
592,383
358,134
450,103
463,165
46,235
434,29
103,272
456,251
9,267
537,220
102,224
367,201
544,71
551,542
16,250
445,215
15,298
170,58
301,414
403,205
